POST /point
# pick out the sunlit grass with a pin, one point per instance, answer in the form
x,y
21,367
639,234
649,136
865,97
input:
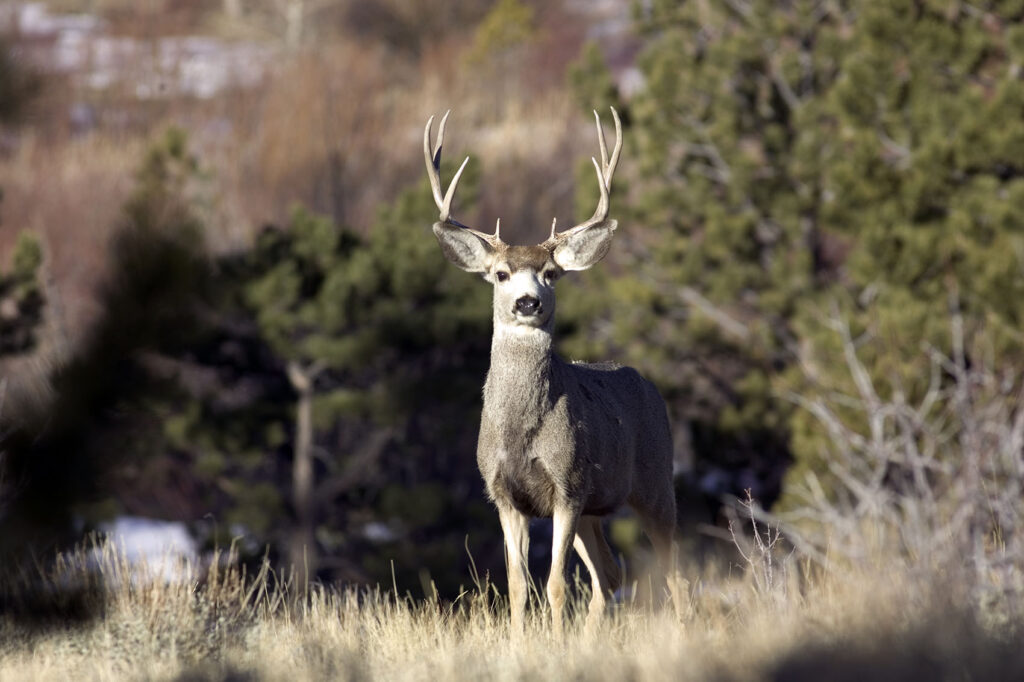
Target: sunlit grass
x,y
271,626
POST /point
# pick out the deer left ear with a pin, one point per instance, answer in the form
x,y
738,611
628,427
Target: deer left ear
x,y
465,248
581,250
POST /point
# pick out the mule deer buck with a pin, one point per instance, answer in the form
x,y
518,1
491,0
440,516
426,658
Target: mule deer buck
x,y
567,441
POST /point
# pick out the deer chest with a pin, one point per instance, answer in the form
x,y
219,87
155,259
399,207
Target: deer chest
x,y
525,484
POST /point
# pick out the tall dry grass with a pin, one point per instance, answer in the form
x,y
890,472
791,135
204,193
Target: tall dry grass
x,y
890,623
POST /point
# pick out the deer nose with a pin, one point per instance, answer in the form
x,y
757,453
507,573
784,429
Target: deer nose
x,y
527,305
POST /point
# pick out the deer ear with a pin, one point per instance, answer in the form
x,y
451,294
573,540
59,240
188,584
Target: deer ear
x,y
581,250
463,248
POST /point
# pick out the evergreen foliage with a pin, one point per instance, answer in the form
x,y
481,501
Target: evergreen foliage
x,y
787,162
395,344
590,81
801,158
64,461
925,183
501,44
507,28
179,404
21,297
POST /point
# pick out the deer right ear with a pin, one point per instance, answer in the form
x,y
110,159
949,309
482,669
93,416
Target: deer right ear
x,y
580,250
463,247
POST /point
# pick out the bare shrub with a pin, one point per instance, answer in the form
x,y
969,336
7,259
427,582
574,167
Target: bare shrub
x,y
760,550
933,484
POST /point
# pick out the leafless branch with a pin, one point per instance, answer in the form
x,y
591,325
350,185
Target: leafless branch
x,y
741,8
708,150
934,476
728,323
791,99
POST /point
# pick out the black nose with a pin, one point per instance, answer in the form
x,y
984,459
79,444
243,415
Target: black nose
x,y
527,305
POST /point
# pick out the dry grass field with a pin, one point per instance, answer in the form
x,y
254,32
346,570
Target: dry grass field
x,y
887,619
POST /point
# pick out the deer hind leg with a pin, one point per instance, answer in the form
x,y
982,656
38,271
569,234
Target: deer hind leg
x,y
661,532
516,528
661,535
605,576
658,519
563,528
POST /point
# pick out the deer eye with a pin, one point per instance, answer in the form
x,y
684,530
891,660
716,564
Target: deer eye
x,y
550,275
501,275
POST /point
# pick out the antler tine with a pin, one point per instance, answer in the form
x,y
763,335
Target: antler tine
x,y
601,212
433,161
608,165
446,207
601,143
605,170
609,168
444,202
436,158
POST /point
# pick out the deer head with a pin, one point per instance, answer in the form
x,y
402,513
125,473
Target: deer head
x,y
523,276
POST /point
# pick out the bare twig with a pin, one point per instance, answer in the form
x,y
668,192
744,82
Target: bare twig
x,y
741,8
728,323
939,474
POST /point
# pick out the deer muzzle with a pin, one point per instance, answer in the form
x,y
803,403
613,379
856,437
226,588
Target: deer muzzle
x,y
527,305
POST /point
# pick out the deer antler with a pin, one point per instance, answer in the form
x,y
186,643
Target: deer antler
x,y
444,203
605,171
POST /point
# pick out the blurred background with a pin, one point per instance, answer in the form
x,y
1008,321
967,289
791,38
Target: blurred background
x,y
223,316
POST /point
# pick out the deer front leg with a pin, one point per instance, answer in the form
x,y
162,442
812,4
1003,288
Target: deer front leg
x,y
516,529
563,530
605,576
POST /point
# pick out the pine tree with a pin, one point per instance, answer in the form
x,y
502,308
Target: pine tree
x,y
355,323
924,168
799,158
725,234
67,458
21,297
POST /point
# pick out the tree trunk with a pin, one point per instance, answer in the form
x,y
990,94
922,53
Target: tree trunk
x,y
294,14
302,547
233,9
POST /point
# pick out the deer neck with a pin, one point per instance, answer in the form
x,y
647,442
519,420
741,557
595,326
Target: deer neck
x,y
517,390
